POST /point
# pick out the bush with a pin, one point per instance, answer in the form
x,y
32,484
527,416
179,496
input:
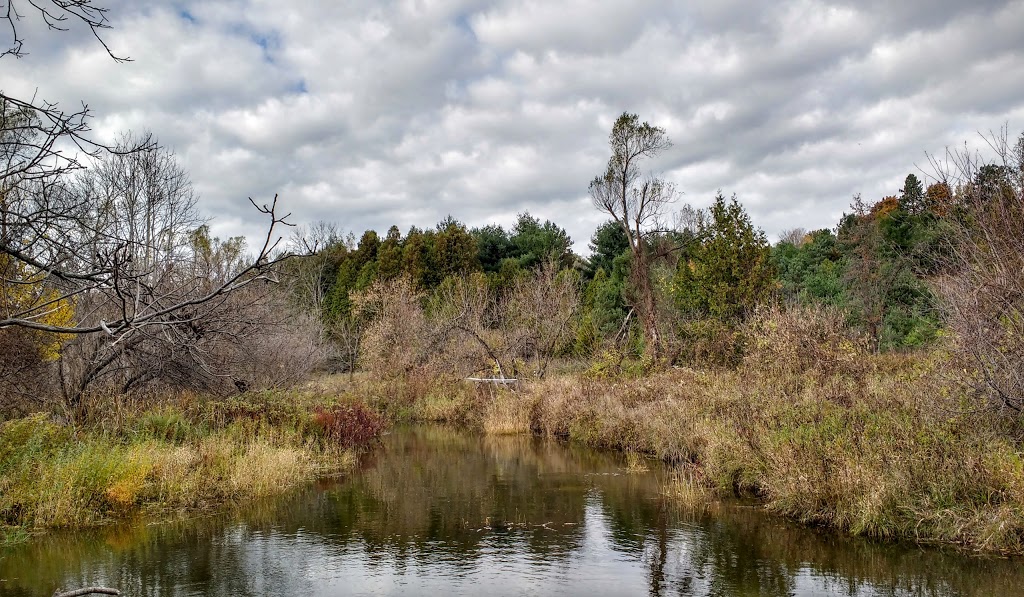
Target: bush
x,y
346,425
168,424
710,342
802,339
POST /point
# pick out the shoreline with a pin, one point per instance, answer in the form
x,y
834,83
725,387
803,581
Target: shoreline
x,y
180,456
888,451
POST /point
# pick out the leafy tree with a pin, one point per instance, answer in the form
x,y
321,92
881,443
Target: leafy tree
x,y
939,199
811,272
730,269
337,303
508,275
887,251
455,250
366,250
912,197
606,245
493,244
389,256
418,257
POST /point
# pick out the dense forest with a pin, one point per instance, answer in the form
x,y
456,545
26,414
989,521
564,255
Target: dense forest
x,y
878,267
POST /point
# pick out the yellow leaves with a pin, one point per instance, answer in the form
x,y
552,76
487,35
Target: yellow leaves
x,y
26,296
885,207
61,313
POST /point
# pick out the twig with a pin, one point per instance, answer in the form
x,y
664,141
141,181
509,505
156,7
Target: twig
x,y
87,591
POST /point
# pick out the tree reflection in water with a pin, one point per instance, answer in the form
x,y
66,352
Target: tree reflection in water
x,y
439,511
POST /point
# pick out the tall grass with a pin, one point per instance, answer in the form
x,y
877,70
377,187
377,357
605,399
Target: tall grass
x,y
173,456
819,429
884,455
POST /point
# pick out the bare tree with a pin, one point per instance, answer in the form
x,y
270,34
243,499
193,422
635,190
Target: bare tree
x,y
108,257
793,236
398,337
537,314
58,16
311,277
249,339
467,328
40,141
346,336
114,241
637,203
984,289
465,320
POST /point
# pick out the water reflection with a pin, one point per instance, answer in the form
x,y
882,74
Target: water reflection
x,y
436,511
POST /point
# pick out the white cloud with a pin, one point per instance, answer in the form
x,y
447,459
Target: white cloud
x,y
373,113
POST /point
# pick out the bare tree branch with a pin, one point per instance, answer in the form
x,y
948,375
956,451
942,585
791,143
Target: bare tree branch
x,y
637,204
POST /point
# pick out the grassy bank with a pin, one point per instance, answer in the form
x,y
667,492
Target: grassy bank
x,y
882,446
184,454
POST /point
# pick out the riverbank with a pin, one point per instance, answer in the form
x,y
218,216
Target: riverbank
x,y
175,455
881,446
447,510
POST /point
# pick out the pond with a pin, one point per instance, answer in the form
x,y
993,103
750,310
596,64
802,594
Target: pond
x,y
440,511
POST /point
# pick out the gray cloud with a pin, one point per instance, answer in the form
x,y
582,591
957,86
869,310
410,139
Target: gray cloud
x,y
370,113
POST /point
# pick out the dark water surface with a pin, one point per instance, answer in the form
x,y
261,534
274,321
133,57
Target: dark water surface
x,y
437,511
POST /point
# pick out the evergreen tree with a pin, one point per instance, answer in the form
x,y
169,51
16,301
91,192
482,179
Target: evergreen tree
x,y
607,243
813,271
455,250
389,256
493,244
534,243
912,197
418,258
730,269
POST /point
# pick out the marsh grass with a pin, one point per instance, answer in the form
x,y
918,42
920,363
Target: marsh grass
x,y
636,463
886,446
688,488
882,455
172,456
506,413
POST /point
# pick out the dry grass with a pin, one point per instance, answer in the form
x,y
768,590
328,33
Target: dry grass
x,y
169,457
883,446
882,454
690,489
507,413
636,463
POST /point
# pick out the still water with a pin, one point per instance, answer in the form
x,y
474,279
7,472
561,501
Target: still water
x,y
441,512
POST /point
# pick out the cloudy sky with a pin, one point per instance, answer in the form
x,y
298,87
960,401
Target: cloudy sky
x,y
369,113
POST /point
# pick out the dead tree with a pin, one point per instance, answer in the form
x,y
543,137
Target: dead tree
x,y
636,202
65,240
983,289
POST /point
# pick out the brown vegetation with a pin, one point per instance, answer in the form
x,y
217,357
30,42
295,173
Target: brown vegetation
x,y
984,291
811,422
466,328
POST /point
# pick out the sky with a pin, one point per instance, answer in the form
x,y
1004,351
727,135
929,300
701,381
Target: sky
x,y
371,113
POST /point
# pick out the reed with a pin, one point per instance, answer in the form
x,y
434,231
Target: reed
x,y
172,456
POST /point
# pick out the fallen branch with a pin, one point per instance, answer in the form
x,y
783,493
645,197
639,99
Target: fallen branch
x,y
87,591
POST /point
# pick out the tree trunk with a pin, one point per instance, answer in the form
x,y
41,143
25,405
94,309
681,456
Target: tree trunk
x,y
645,302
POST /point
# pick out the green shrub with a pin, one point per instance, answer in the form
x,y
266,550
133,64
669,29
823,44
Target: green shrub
x,y
166,424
